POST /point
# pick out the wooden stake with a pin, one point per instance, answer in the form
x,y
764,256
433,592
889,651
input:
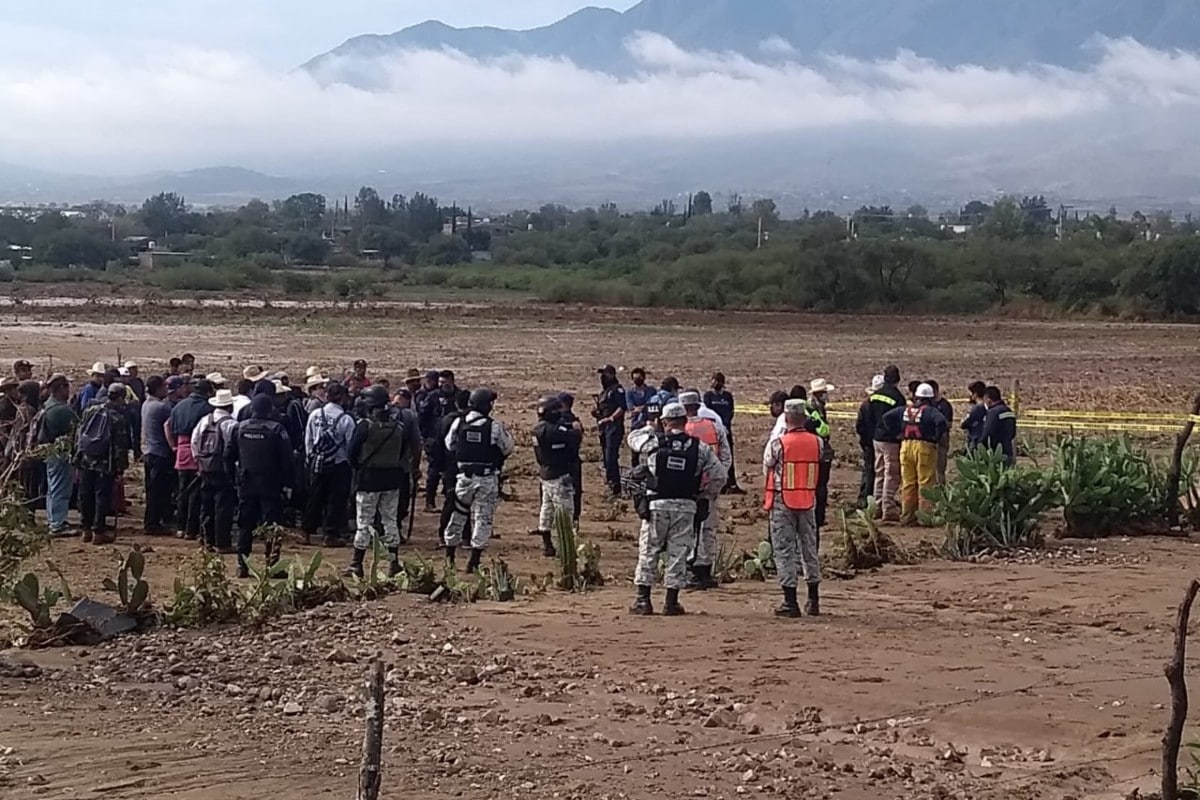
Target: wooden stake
x,y
370,772
1179,698
1173,478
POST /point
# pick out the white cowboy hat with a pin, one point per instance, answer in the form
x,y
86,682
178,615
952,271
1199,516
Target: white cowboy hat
x,y
821,385
99,368
222,399
131,365
315,381
215,378
311,371
281,389
254,373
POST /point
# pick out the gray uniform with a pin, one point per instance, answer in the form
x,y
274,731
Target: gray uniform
x,y
705,550
792,530
476,495
671,523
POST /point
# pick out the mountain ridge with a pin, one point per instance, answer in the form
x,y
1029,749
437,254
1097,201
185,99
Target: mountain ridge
x,y
1014,33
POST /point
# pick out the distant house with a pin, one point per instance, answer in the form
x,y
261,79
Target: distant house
x,y
156,259
958,229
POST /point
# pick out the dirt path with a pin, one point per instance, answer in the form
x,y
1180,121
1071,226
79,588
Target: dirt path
x,y
997,680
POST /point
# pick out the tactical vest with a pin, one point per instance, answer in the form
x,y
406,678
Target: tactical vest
x,y
384,445
473,446
553,451
677,468
258,446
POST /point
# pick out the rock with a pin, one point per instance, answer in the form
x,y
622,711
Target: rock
x,y
466,674
491,717
264,694
293,660
292,709
234,689
330,704
185,683
718,719
338,656
748,776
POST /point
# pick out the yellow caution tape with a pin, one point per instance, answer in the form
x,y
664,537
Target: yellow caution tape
x,y
1041,419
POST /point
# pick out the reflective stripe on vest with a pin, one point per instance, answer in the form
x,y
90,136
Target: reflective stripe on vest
x,y
799,472
882,398
816,416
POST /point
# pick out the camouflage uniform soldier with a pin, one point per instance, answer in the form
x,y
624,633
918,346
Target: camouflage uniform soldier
x,y
678,464
791,464
556,446
480,445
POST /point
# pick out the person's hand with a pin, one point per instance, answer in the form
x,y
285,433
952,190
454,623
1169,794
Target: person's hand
x,y
577,425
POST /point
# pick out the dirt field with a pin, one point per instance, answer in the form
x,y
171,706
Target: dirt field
x,y
994,680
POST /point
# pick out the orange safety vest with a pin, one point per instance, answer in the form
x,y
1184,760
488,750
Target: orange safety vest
x,y
706,431
801,458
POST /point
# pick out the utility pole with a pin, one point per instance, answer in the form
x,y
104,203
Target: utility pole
x,y
760,232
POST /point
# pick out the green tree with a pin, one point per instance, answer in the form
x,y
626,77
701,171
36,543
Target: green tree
x,y
424,217
74,247
390,243
306,211
305,247
702,204
445,250
165,214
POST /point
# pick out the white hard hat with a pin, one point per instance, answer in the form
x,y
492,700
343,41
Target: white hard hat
x,y
925,391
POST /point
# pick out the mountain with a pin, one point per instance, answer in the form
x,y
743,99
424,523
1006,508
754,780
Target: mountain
x,y
987,32
211,186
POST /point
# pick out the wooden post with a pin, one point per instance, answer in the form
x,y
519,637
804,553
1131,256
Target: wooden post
x,y
369,773
1173,478
1016,396
1179,698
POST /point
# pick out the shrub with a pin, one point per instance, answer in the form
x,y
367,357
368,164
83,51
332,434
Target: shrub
x,y
297,283
190,277
1107,486
991,505
245,275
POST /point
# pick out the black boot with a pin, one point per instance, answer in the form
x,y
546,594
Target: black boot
x,y
702,578
813,606
548,545
672,608
243,570
790,608
473,561
356,564
394,569
450,553
642,607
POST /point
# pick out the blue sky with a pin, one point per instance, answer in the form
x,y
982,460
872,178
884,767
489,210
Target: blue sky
x,y
279,33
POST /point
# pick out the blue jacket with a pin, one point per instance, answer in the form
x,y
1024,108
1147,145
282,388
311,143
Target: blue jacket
x,y
999,431
973,424
634,398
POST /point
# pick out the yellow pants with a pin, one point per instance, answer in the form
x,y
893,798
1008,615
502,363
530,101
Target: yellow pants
x,y
918,471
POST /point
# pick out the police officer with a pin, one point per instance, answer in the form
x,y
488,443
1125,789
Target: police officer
x,y
610,416
568,416
999,425
446,466
378,449
714,435
260,455
682,471
480,445
556,447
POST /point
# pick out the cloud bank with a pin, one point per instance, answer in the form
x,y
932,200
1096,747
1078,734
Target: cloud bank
x,y
201,107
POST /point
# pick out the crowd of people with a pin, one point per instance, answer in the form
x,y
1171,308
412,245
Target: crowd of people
x,y
222,458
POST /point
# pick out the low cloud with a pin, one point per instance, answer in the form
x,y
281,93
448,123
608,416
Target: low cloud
x,y
194,107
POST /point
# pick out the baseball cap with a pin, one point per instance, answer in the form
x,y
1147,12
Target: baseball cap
x,y
607,369
175,383
21,364
674,411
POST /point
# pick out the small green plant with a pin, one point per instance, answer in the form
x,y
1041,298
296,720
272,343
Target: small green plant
x,y
863,545
501,584
728,563
36,601
272,536
204,595
760,563
129,586
990,505
578,561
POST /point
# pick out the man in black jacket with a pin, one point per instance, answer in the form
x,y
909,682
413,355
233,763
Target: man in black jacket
x,y
887,445
943,452
999,426
377,450
865,428
556,446
443,460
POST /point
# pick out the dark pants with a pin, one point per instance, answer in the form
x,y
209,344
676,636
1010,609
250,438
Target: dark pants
x,y
95,499
218,498
577,481
187,509
611,436
866,486
160,484
33,483
258,505
328,501
448,482
823,471
433,479
298,501
732,482
405,500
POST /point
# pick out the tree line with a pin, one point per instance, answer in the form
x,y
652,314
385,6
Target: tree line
x,y
1015,251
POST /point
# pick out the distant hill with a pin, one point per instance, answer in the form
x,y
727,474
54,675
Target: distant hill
x,y
987,32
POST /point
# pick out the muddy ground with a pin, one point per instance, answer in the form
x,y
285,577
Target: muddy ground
x,y
1039,679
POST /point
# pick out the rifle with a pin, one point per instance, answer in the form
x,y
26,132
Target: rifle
x,y
412,506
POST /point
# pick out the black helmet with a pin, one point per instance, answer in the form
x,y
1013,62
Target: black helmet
x,y
482,400
549,406
376,396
